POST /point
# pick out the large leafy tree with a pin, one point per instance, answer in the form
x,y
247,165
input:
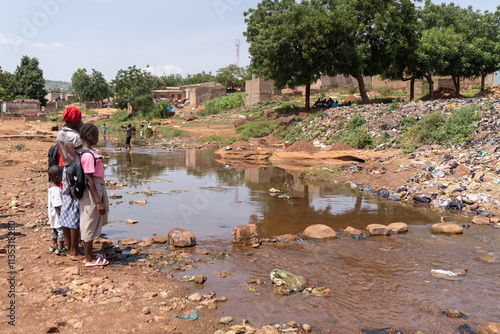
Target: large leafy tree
x,y
29,82
99,87
133,87
80,82
172,80
288,42
374,34
6,85
192,79
231,76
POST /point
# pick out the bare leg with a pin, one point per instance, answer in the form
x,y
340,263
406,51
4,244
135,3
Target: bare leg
x,y
89,253
73,245
67,236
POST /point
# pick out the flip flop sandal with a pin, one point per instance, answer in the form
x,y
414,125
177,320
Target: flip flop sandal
x,y
98,262
97,256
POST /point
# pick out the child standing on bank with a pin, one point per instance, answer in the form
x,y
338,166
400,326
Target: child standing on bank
x,y
94,205
54,210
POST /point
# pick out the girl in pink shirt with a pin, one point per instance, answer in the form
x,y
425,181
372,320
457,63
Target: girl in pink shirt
x,y
94,205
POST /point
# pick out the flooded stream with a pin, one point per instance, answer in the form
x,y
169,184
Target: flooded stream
x,y
376,282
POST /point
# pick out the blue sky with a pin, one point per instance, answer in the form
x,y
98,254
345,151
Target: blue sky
x,y
184,37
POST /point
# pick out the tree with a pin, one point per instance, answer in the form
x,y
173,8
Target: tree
x,y
133,87
373,35
99,87
288,42
6,85
230,76
80,81
29,82
192,79
171,80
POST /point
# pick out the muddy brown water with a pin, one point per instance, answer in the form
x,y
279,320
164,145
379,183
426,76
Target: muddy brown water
x,y
377,282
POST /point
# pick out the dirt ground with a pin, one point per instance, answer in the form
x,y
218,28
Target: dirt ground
x,y
56,294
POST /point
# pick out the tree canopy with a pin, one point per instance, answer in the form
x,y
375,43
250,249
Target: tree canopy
x,y
28,80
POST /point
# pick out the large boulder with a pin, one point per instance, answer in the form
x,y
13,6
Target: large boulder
x,y
378,229
350,231
490,328
246,234
398,227
447,228
481,220
181,238
319,231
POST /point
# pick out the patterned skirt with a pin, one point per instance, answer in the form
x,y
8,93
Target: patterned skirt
x,y
70,210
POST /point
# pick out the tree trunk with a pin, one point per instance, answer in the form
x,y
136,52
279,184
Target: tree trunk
x,y
483,80
431,85
412,88
308,96
362,89
456,82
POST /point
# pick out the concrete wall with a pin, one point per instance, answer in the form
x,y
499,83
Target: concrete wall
x,y
258,90
50,108
88,105
22,107
198,95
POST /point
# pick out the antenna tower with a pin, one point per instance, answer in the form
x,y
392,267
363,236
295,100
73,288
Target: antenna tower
x,y
238,43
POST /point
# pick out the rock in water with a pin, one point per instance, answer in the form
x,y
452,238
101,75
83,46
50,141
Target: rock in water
x,y
181,238
319,231
287,281
246,234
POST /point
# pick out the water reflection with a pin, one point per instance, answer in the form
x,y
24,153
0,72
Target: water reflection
x,y
188,188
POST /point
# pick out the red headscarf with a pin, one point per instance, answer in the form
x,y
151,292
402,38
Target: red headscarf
x,y
71,114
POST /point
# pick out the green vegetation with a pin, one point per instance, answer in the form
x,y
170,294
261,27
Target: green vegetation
x,y
354,134
231,101
210,110
434,128
320,174
211,138
256,129
171,132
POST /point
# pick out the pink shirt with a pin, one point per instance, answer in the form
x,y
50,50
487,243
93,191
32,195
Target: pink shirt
x,y
88,164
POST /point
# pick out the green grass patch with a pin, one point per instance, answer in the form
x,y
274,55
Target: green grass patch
x,y
171,132
210,110
320,174
256,129
211,138
231,101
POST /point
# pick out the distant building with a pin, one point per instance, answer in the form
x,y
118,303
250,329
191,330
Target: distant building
x,y
195,94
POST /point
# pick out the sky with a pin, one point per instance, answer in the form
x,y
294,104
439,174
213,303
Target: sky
x,y
169,36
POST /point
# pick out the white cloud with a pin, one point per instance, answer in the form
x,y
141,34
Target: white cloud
x,y
16,42
160,70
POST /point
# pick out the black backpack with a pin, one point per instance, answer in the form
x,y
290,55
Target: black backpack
x,y
75,175
52,157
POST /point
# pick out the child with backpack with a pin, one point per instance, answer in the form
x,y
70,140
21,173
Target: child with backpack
x,y
68,142
54,210
94,205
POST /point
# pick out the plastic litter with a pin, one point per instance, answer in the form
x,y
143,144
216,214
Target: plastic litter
x,y
191,316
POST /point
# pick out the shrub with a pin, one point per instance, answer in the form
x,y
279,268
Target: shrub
x,y
459,125
210,110
231,101
256,129
355,122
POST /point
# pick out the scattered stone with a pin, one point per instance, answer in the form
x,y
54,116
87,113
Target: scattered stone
x,y
378,229
447,228
130,221
159,239
351,231
490,328
226,320
474,207
306,328
319,231
146,310
453,313
398,227
141,202
274,191
481,220
128,242
181,238
200,279
104,243
51,328
287,237
246,234
196,297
